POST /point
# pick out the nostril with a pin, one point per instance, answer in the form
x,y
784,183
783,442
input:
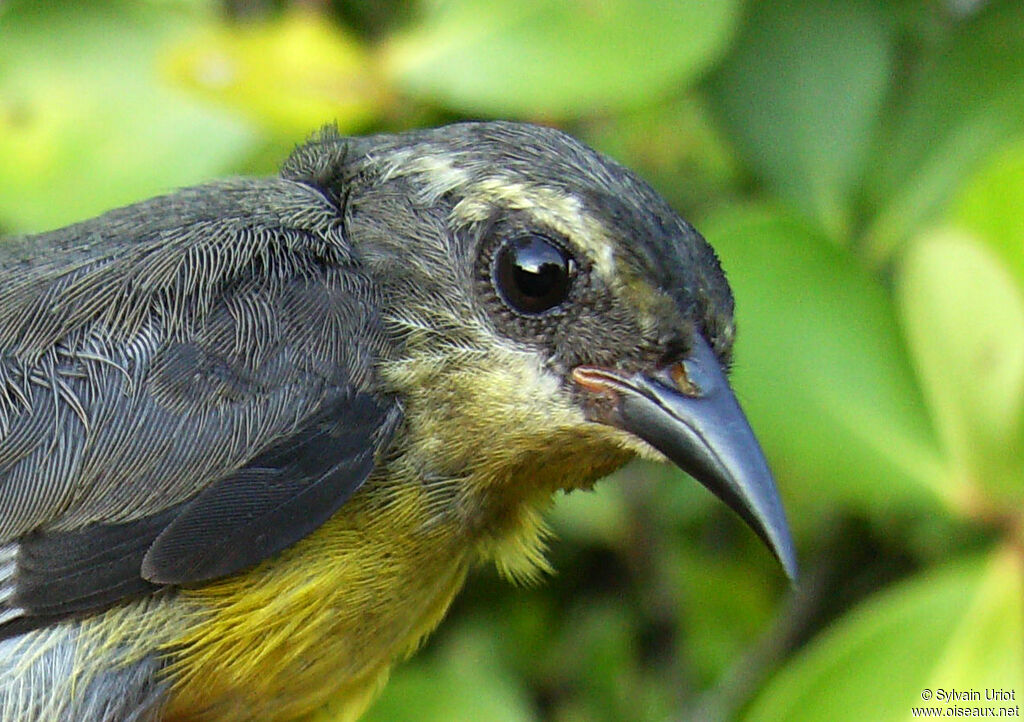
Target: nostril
x,y
682,381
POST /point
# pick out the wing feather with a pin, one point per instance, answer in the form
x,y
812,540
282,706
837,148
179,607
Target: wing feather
x,y
186,387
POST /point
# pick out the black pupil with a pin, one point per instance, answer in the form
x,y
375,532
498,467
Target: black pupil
x,y
533,273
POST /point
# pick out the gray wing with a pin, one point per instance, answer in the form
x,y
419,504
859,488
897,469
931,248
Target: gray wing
x,y
185,389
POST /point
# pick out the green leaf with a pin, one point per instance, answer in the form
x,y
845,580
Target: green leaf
x,y
725,602
600,650
801,93
984,648
964,320
990,205
965,99
599,516
291,74
605,515
955,628
464,681
821,369
85,124
556,58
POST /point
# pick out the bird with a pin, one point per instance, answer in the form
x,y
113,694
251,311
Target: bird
x,y
254,434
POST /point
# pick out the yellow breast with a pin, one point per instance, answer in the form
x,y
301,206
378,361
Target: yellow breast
x,y
325,620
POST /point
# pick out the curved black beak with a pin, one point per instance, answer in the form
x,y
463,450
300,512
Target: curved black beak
x,y
688,412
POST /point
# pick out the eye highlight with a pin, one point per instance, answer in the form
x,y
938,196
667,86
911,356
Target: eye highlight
x,y
533,274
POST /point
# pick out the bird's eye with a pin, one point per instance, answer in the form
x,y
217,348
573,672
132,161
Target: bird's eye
x,y
533,274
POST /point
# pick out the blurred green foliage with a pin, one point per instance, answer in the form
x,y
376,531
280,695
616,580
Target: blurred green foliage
x,y
860,168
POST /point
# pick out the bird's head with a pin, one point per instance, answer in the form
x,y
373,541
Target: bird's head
x,y
548,315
